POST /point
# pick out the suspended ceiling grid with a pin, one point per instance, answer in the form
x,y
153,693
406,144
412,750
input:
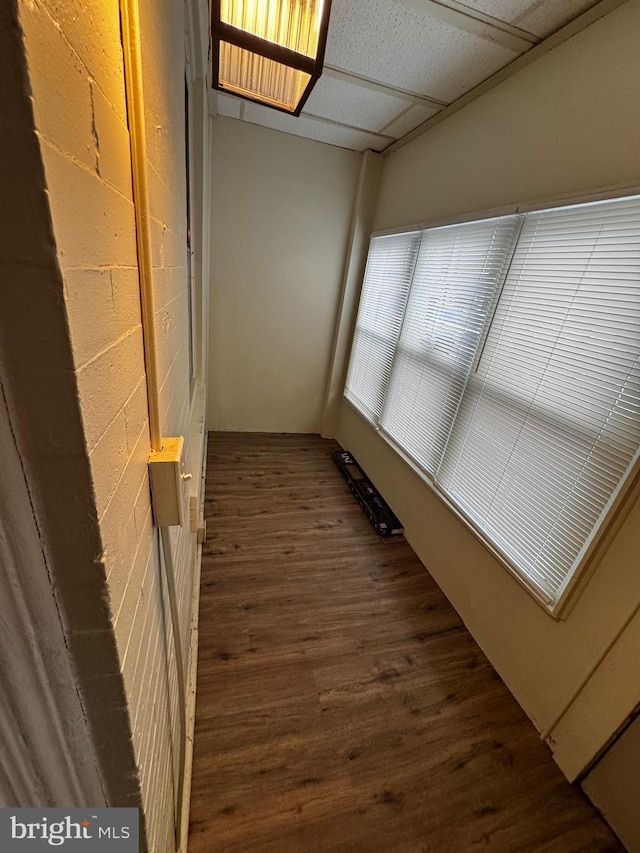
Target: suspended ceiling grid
x,y
390,65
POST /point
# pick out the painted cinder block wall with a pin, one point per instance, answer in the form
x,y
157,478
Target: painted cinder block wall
x,y
535,136
49,539
75,66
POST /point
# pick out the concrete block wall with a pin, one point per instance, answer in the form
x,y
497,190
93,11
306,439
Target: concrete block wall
x,y
49,539
76,74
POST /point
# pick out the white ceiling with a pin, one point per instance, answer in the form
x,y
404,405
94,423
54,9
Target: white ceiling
x,y
392,64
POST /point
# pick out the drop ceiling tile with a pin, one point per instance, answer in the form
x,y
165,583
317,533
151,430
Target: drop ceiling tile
x,y
409,120
504,10
321,131
352,104
409,49
228,105
540,18
547,17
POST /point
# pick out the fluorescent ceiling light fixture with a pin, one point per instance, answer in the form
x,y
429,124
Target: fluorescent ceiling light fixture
x,y
269,51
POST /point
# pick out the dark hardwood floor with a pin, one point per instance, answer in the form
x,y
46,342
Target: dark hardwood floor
x,y
342,705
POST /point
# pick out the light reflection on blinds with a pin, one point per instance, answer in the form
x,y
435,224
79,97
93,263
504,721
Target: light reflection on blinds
x,y
551,419
454,284
382,303
519,396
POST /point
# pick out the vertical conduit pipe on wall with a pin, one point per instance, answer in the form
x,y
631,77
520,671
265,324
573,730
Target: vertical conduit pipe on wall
x,y
130,26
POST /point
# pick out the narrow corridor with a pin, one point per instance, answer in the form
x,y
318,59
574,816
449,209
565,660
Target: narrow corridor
x,y
342,705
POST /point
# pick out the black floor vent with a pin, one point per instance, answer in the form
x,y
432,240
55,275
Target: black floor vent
x,y
384,521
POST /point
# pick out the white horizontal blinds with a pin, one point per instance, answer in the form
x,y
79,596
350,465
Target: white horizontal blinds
x,y
384,295
550,421
458,272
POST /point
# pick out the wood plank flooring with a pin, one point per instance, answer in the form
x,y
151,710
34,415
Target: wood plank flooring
x,y
342,705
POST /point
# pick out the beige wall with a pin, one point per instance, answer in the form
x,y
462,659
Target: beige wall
x,y
614,786
281,216
567,124
76,73
371,167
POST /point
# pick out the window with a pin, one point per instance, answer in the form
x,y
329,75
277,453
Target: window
x,y
388,276
512,379
447,310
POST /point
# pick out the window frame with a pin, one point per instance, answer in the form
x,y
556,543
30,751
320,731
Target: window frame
x,y
624,496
